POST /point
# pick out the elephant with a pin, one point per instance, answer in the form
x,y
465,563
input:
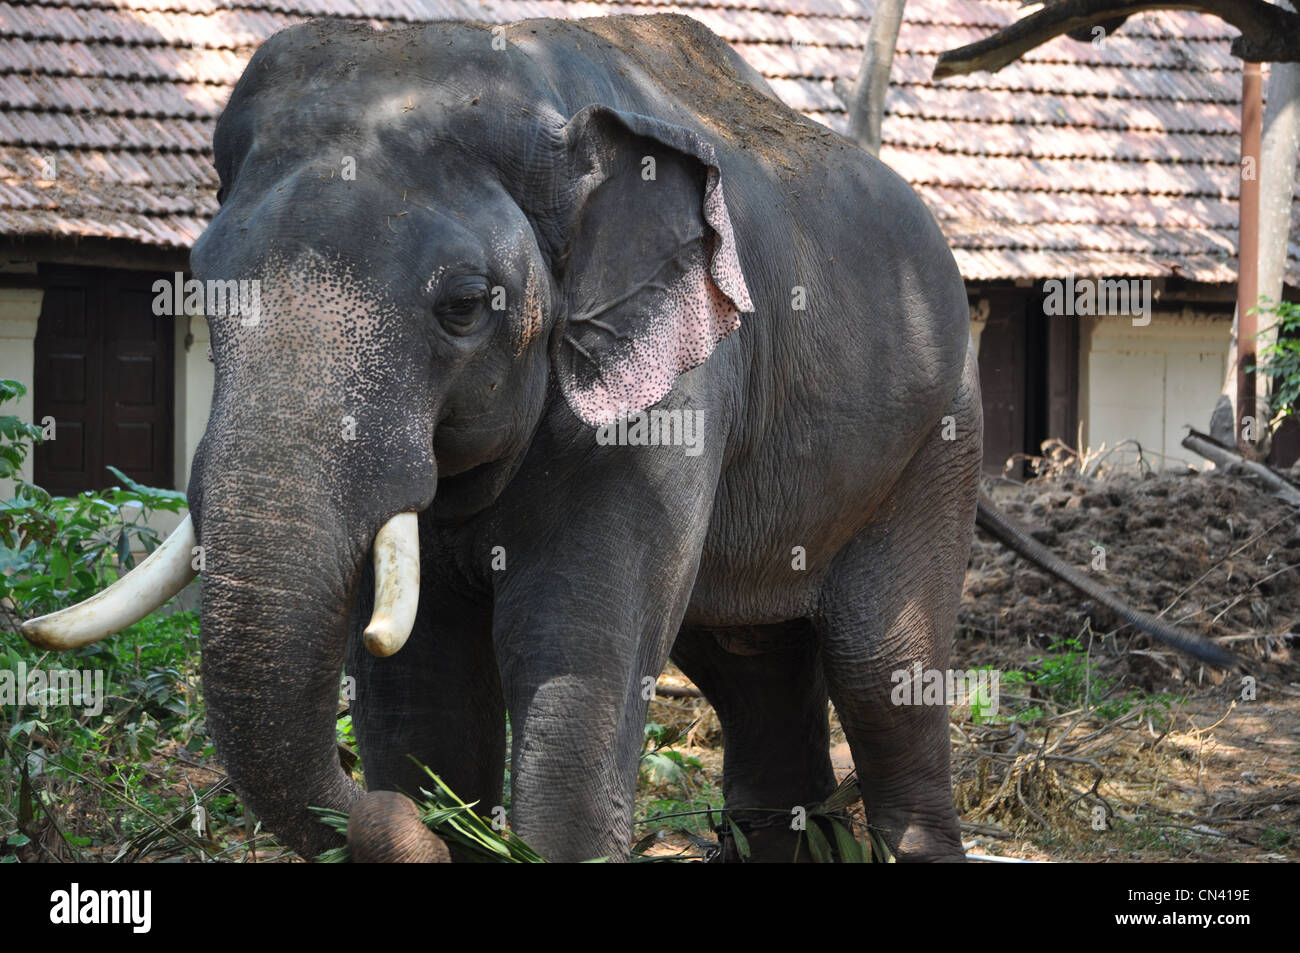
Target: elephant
x,y
577,350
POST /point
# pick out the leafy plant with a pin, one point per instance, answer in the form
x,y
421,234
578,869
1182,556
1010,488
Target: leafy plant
x,y
1066,674
1067,677
662,763
685,799
1276,839
455,822
1280,359
981,701
16,435
55,551
869,848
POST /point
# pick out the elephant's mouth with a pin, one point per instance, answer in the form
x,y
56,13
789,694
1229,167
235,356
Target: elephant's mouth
x,y
171,567
465,493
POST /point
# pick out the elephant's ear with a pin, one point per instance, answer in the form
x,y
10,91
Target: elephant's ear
x,y
649,275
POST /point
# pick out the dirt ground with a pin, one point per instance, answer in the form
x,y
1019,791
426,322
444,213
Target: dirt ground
x,y
1115,747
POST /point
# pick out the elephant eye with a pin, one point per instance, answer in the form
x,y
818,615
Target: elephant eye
x,y
463,302
466,304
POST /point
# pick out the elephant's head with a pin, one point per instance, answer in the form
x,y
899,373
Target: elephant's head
x,y
433,240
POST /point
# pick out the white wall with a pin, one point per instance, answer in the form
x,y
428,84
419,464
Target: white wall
x,y
979,317
193,395
1148,383
20,310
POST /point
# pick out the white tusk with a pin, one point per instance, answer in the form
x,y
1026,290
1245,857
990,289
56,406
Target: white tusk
x,y
397,585
145,588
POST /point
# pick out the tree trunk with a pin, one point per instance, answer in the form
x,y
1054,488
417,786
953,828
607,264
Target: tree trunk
x,y
1277,171
867,99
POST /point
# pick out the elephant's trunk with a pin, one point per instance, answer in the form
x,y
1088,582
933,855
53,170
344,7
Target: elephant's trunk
x,y
277,590
272,689
385,827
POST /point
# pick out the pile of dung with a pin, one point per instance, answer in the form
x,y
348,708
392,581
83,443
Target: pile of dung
x,y
1218,553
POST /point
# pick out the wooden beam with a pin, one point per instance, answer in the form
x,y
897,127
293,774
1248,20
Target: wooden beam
x,y
98,252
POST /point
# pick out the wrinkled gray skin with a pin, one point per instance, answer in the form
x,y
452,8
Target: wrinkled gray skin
x,y
478,167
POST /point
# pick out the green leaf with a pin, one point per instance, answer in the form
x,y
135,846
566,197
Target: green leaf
x,y
848,793
126,480
850,850
880,852
742,842
60,568
153,497
124,557
818,845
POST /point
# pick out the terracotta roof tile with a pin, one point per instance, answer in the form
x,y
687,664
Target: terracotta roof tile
x,y
967,137
1110,158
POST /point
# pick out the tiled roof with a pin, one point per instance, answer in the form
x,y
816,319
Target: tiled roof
x,y
1111,159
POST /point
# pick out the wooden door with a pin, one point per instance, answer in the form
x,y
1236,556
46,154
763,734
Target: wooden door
x,y
1002,380
104,373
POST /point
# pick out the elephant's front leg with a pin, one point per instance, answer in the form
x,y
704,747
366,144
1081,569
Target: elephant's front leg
x,y
583,627
577,711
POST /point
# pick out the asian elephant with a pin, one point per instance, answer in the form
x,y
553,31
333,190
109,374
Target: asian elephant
x,y
581,350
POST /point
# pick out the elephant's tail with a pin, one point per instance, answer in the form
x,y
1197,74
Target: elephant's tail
x,y
990,519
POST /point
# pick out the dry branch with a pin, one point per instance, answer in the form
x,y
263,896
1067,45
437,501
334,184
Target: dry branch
x,y
1221,456
677,691
1268,33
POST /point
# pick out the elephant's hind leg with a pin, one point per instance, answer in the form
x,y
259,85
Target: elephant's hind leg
x,y
769,692
890,602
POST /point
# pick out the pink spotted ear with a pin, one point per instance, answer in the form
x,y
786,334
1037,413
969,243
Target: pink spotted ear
x,y
651,278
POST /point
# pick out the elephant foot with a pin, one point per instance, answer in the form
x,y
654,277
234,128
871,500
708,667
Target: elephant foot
x,y
385,828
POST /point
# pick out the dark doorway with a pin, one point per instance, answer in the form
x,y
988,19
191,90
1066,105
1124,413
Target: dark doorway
x,y
104,373
1028,377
